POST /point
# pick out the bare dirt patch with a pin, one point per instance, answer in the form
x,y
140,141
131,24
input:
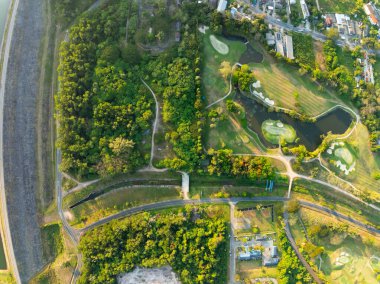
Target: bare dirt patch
x,y
319,57
162,275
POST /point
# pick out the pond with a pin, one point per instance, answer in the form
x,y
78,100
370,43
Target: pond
x,y
3,16
309,133
251,55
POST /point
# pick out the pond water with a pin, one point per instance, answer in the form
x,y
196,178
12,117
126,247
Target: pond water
x,y
336,121
3,15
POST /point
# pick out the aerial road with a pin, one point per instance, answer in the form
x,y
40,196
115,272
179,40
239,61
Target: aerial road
x,y
19,91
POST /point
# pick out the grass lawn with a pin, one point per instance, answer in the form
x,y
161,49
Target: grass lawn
x,y
345,58
228,135
52,241
213,83
339,6
274,131
118,200
111,183
358,248
261,219
283,84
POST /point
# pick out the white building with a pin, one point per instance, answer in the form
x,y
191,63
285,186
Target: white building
x,y
222,5
284,45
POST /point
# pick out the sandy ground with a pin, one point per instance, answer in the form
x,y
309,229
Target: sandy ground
x,y
162,275
19,137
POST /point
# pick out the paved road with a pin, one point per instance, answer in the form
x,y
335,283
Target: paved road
x,y
12,264
19,134
174,203
296,250
340,216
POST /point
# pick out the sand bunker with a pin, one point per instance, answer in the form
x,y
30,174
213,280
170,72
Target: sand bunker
x,y
219,46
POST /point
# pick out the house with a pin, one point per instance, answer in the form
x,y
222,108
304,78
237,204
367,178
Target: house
x,y
328,22
274,252
284,45
271,261
222,5
244,256
373,13
255,254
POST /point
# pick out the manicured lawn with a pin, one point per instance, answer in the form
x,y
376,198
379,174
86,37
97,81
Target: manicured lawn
x,y
274,131
283,84
226,134
339,6
213,83
118,200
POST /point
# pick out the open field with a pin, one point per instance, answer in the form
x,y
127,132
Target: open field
x,y
340,6
261,219
213,83
346,258
118,200
283,84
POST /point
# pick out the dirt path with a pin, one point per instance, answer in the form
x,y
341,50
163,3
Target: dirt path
x,y
155,124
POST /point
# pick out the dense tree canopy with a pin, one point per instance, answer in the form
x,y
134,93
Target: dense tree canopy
x,y
193,243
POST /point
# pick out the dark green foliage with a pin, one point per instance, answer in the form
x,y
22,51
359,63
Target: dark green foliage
x,y
53,244
195,248
304,50
100,99
290,268
242,77
223,162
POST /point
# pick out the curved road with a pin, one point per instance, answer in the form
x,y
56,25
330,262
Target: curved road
x,y
12,265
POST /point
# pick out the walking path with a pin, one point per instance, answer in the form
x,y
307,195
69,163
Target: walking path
x,y
157,117
296,250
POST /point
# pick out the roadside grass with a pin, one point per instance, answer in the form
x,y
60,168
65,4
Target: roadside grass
x,y
296,228
52,241
68,184
359,244
111,183
62,268
327,197
340,6
213,83
235,191
120,199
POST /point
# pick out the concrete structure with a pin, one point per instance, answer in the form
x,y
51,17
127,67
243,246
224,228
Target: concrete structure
x,y
284,45
373,13
222,5
270,38
347,28
305,9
